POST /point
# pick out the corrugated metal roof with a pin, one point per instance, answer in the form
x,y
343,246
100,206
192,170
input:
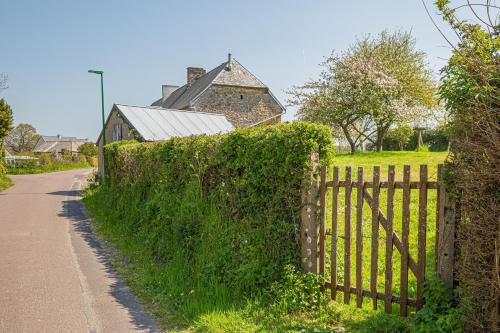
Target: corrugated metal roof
x,y
155,124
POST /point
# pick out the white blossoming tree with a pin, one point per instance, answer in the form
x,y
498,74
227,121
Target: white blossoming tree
x,y
375,84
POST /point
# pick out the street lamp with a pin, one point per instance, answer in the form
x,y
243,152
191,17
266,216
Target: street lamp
x,y
103,120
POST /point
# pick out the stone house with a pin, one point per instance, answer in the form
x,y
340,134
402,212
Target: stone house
x,y
228,89
213,102
57,144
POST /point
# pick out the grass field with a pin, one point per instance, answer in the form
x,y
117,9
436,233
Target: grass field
x,y
47,168
182,306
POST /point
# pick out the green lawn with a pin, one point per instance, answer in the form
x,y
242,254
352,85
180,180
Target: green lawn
x,y
384,159
47,168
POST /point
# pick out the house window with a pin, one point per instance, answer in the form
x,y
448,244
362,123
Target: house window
x,y
241,96
117,132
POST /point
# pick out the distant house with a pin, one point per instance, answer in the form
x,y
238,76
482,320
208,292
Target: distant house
x,y
154,124
57,144
228,89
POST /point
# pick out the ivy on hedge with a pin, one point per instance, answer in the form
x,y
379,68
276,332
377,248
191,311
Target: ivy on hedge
x,y
253,176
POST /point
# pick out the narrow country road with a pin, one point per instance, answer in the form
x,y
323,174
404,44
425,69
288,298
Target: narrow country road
x,y
54,276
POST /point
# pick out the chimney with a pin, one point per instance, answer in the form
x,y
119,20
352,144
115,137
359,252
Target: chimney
x,y
167,90
194,73
229,59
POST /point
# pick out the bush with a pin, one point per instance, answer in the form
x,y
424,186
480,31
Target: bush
x,y
45,159
422,149
215,210
397,138
437,139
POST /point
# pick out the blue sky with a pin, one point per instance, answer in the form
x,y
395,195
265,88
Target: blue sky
x,y
47,48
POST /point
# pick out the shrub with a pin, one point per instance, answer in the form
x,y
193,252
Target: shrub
x,y
397,138
45,159
423,148
225,208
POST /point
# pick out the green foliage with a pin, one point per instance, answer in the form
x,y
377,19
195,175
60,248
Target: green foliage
x,y
88,149
437,139
5,182
440,312
296,291
33,166
397,138
6,119
45,159
470,89
221,213
423,148
22,138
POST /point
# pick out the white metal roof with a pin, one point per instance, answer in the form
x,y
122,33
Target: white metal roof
x,y
154,123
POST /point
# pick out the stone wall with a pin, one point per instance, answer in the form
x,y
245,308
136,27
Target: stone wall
x,y
242,106
126,134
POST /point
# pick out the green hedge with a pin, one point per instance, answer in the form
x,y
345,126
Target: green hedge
x,y
240,192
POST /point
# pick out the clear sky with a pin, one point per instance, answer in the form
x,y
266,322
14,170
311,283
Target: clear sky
x,y
46,48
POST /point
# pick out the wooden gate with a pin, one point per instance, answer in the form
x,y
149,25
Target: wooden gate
x,y
381,234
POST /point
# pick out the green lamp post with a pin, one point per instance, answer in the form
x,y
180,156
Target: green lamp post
x,y
103,120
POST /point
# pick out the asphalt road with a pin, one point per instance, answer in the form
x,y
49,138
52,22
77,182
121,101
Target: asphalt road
x,y
54,275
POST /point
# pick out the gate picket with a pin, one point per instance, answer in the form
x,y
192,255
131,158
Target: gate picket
x,y
403,311
347,237
422,226
388,240
359,239
375,219
322,221
335,201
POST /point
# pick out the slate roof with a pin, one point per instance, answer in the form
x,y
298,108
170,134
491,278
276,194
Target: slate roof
x,y
53,138
154,123
56,143
238,76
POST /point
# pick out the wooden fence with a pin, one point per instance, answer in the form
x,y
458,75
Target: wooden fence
x,y
314,233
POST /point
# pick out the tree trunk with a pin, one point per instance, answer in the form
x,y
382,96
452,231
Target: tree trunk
x,y
352,144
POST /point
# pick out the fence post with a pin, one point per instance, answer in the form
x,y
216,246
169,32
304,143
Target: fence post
x,y
309,231
445,238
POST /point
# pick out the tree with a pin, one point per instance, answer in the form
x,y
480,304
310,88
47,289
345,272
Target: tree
x,y
88,149
400,136
6,119
373,85
411,94
22,139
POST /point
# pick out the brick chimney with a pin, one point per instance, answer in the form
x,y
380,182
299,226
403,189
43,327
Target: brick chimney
x,y
194,73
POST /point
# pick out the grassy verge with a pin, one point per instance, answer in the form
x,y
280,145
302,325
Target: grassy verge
x,y
5,182
174,262
47,168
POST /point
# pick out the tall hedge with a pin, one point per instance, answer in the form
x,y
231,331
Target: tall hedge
x,y
250,178
470,88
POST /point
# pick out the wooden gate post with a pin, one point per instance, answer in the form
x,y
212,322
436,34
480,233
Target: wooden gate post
x,y
445,238
309,231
